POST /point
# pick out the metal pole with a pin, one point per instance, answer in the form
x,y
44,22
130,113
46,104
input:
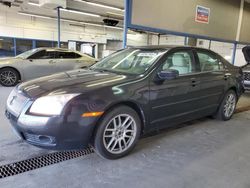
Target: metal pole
x,y
14,42
210,42
147,38
186,41
242,3
125,26
234,53
59,27
33,44
159,38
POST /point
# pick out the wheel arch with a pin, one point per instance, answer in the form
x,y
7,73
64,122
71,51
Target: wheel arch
x,y
10,67
132,105
234,88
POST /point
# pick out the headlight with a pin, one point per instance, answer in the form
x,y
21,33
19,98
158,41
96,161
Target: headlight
x,y
51,105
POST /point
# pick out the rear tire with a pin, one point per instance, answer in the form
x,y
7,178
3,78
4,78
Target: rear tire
x,y
9,77
227,106
117,133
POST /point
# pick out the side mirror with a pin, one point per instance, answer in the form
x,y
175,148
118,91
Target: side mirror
x,y
169,74
246,52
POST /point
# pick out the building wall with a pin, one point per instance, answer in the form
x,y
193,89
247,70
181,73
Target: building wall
x,y
179,16
20,26
14,25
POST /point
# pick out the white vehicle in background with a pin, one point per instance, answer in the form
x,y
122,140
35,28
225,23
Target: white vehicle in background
x,y
40,62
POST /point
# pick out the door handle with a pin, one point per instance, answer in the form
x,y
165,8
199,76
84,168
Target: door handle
x,y
227,75
194,82
52,61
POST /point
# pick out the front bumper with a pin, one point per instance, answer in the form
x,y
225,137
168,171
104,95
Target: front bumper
x,y
56,133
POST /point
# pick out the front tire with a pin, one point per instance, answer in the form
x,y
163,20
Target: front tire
x,y
117,133
9,77
227,106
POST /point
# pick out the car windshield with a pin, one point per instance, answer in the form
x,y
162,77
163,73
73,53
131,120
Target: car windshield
x,y
26,54
130,61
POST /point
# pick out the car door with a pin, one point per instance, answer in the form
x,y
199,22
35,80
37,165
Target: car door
x,y
174,101
40,64
213,80
67,60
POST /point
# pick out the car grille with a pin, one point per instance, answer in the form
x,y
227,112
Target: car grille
x,y
246,76
15,102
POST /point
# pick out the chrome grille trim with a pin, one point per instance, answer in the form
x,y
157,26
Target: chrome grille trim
x,y
16,102
246,76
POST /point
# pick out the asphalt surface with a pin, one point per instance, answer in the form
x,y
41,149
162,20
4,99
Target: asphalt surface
x,y
203,153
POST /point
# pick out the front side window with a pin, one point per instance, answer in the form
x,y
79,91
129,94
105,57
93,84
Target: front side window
x,y
43,54
209,62
131,61
182,61
28,54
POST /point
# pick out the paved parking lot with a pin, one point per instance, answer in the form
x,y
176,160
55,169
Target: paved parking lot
x,y
204,153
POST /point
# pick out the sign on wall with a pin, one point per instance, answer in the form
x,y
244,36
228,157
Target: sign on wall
x,y
171,20
202,14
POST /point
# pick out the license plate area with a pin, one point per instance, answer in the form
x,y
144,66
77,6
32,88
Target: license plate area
x,y
16,103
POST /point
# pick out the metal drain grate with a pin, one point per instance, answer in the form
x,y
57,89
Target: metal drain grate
x,y
39,162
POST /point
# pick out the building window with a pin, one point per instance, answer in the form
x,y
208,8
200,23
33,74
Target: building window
x,y
6,47
23,45
64,45
41,44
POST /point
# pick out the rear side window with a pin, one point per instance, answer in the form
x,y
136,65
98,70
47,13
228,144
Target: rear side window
x,y
49,55
209,62
67,55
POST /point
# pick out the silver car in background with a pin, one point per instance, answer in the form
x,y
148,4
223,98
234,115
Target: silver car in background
x,y
40,62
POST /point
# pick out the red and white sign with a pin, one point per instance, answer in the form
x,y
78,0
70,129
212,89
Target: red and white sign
x,y
202,14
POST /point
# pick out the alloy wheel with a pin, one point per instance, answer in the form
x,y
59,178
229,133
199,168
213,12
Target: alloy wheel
x,y
230,105
119,133
8,78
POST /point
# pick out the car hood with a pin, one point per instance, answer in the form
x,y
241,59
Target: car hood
x,y
8,60
76,81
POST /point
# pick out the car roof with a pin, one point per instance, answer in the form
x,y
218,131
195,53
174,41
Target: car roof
x,y
160,47
64,50
57,49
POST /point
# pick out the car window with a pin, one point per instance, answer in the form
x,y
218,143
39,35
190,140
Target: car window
x,y
182,61
67,55
28,54
38,55
43,54
209,62
131,61
49,55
